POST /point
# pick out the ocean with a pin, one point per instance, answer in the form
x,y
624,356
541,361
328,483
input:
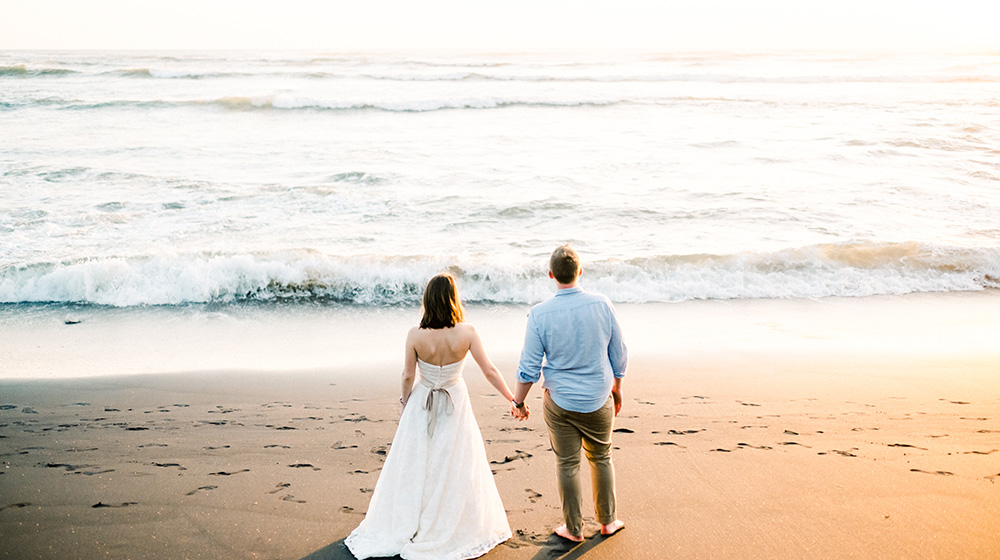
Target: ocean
x,y
211,179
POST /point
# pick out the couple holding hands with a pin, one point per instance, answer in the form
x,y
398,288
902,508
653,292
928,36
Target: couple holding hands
x,y
435,497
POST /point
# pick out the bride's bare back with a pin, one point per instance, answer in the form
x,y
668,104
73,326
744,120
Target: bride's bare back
x,y
441,347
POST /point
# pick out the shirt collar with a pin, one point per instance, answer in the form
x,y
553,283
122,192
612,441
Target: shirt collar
x,y
568,291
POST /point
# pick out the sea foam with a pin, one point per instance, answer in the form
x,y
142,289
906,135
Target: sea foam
x,y
847,270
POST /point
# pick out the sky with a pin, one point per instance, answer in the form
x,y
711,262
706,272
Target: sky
x,y
507,25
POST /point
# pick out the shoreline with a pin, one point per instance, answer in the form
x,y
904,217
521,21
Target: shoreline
x,y
99,342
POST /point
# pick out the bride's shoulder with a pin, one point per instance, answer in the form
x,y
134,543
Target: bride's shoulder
x,y
467,331
414,333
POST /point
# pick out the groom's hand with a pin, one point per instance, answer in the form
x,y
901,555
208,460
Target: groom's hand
x,y
519,413
617,396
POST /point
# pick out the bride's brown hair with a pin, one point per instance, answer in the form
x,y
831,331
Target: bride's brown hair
x,y
442,308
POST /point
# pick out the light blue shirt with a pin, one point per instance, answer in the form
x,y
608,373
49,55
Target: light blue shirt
x,y
577,334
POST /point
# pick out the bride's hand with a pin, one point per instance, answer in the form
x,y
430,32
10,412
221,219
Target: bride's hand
x,y
519,413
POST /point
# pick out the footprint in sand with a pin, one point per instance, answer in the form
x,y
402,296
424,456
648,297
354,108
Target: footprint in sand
x,y
524,538
273,445
683,433
942,473
69,468
763,447
839,452
179,467
518,454
121,505
623,431
94,473
907,445
224,473
291,498
18,506
26,450
533,496
281,486
304,466
222,410
199,489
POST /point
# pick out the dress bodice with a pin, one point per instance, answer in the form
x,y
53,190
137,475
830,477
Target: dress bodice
x,y
439,376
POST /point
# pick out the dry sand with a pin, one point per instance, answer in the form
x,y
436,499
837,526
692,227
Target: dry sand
x,y
824,438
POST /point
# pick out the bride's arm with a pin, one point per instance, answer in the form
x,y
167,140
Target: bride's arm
x,y
490,371
409,367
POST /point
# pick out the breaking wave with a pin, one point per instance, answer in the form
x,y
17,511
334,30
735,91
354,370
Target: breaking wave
x,y
845,270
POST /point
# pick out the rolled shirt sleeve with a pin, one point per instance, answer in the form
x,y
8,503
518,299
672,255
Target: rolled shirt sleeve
x,y
529,370
617,352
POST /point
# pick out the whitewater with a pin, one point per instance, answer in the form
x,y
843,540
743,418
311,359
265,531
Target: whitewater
x,y
133,179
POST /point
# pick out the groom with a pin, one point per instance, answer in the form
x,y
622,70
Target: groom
x,y
577,338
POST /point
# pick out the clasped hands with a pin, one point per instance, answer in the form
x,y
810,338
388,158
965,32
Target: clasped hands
x,y
520,413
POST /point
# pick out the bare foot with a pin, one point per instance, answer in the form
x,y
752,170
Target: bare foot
x,y
563,532
612,528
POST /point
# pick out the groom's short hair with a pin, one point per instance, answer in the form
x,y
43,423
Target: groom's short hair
x,y
564,264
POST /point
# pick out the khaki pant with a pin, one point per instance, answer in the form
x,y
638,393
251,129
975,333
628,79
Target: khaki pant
x,y
569,430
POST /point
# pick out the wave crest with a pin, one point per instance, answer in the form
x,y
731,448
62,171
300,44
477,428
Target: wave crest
x,y
846,270
22,70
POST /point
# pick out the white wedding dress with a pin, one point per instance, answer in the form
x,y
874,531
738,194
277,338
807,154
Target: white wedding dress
x,y
435,498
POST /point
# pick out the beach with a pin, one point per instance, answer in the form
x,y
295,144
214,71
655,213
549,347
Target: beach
x,y
209,261
827,428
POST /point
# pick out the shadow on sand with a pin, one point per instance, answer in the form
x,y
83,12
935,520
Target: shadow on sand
x,y
554,548
557,548
333,551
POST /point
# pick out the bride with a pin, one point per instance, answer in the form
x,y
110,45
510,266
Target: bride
x,y
435,498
